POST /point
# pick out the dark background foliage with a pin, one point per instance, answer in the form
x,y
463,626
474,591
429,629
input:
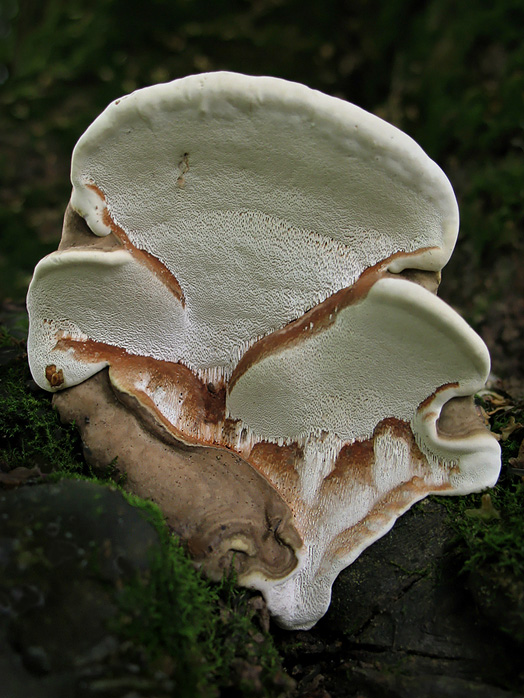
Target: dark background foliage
x,y
449,74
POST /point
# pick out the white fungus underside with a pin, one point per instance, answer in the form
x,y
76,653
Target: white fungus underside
x,y
285,197
380,358
263,198
103,296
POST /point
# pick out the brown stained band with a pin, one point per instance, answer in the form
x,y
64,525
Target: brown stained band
x,y
396,500
389,508
401,430
427,401
355,458
200,404
278,461
319,318
142,256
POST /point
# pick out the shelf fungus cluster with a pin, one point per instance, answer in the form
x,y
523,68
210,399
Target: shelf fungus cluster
x,y
242,309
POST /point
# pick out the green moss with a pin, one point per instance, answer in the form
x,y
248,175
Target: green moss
x,y
30,430
491,535
498,540
170,615
206,633
494,541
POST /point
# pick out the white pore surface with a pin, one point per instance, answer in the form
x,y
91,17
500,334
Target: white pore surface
x,y
263,198
103,296
380,358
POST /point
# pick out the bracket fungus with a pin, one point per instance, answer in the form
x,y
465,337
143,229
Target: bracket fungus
x,y
242,309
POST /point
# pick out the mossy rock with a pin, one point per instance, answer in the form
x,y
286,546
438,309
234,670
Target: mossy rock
x,y
99,599
66,550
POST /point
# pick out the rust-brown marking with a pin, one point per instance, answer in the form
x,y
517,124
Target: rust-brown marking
x,y
355,460
230,429
183,168
97,190
392,505
278,461
146,258
319,318
197,405
427,401
394,426
401,430
54,377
